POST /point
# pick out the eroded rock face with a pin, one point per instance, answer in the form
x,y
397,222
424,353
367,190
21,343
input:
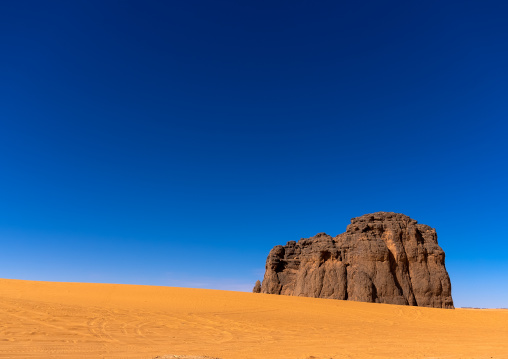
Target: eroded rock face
x,y
382,257
257,287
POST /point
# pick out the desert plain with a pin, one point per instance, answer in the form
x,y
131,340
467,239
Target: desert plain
x,y
84,320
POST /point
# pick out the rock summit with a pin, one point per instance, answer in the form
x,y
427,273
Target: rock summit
x,y
382,257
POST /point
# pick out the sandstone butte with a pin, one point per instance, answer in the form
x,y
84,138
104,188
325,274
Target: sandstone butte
x,y
382,257
111,321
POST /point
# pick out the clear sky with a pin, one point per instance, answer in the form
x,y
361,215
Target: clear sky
x,y
176,142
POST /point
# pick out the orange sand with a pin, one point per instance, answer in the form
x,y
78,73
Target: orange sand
x,y
77,320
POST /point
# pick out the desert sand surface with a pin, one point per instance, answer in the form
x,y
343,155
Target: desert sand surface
x,y
83,320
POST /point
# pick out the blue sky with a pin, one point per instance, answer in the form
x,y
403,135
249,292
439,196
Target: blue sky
x,y
175,143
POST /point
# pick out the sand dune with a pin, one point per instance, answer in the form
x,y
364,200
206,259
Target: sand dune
x,y
77,320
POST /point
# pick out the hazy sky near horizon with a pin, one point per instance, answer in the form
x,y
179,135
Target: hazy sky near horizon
x,y
175,143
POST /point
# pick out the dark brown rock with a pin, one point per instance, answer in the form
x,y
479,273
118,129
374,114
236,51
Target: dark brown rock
x,y
382,257
257,287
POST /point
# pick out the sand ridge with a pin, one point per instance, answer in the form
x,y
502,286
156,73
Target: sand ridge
x,y
84,320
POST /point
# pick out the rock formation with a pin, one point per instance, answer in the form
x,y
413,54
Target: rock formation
x,y
257,287
382,257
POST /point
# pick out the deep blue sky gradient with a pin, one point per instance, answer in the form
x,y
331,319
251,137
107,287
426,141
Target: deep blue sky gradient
x,y
175,143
